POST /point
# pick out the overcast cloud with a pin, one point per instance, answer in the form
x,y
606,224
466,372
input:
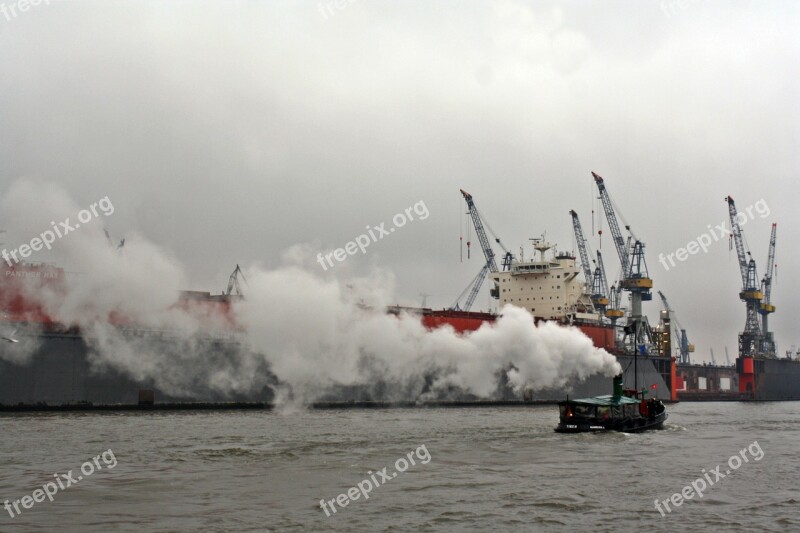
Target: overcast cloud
x,y
227,132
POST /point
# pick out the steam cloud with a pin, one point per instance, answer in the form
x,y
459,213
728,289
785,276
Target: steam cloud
x,y
304,336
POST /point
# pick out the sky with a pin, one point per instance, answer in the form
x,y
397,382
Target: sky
x,y
237,132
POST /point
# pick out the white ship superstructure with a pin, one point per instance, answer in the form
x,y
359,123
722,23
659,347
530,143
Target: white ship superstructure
x,y
548,287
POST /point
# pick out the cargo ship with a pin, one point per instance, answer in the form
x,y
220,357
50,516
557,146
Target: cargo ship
x,y
45,362
551,289
61,367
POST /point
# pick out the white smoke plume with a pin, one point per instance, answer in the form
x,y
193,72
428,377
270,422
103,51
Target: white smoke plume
x,y
303,335
314,334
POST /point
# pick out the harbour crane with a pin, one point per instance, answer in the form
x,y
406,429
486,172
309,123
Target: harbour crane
x,y
750,340
491,264
766,308
233,282
594,281
684,347
478,223
635,279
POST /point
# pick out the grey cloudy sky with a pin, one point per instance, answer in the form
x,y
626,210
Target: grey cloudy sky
x,y
228,132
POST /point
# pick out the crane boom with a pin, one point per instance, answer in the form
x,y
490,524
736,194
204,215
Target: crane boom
x,y
595,283
766,307
484,240
770,269
736,231
576,226
664,301
613,225
601,271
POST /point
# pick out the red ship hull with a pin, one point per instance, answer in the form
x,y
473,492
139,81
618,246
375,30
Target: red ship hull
x,y
24,286
465,321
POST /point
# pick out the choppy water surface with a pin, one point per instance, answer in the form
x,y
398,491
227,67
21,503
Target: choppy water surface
x,y
490,469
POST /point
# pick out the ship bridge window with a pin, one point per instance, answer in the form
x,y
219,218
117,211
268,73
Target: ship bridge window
x,y
585,411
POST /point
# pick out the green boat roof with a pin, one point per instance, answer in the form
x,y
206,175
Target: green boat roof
x,y
606,400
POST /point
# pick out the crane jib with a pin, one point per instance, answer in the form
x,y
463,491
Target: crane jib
x,y
613,225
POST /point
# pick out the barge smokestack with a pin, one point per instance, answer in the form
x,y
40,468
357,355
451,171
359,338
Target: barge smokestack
x,y
618,386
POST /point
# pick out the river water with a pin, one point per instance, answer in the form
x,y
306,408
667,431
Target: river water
x,y
500,469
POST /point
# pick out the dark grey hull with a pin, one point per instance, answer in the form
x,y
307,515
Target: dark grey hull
x,y
60,369
777,380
